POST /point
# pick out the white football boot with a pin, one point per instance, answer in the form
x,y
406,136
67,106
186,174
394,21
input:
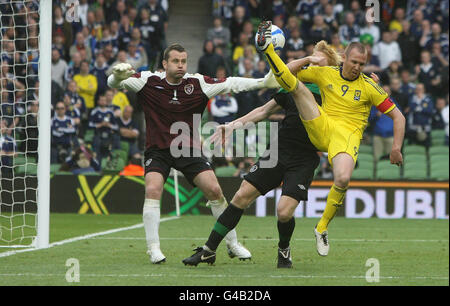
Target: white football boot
x,y
239,251
156,256
322,244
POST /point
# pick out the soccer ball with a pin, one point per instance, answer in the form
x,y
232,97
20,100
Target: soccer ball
x,y
278,38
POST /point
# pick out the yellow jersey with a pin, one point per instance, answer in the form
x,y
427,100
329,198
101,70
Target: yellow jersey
x,y
120,99
345,100
87,87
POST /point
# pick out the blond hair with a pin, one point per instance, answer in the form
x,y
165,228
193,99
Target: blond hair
x,y
333,58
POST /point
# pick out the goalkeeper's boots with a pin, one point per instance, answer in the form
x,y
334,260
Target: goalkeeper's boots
x,y
239,251
322,244
156,256
264,35
284,258
201,255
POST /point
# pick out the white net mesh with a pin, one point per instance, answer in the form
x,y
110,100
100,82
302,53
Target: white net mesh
x,y
19,46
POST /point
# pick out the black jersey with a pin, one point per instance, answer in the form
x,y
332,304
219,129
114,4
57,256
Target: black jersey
x,y
292,135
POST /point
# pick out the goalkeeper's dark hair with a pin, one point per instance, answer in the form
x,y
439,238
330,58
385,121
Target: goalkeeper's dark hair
x,y
176,47
355,45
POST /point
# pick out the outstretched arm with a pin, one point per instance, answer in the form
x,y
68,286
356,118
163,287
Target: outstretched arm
x,y
399,133
256,115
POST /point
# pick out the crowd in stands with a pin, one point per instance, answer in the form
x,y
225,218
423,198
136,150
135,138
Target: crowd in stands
x,y
93,124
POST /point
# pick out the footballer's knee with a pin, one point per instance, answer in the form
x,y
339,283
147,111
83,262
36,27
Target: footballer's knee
x,y
213,192
153,191
342,179
284,215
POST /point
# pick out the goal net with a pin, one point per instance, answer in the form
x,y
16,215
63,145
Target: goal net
x,y
24,114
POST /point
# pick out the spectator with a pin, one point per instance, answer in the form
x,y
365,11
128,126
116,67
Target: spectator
x,y
129,132
438,120
393,71
428,74
372,29
248,55
99,71
330,17
9,111
62,28
387,50
416,24
158,22
383,131
305,11
336,43
409,46
136,38
401,99
125,32
359,14
295,47
31,130
73,67
237,24
223,9
239,50
75,99
137,57
319,30
349,31
373,63
396,24
218,34
72,112
8,150
81,161
223,108
436,36
80,45
291,25
420,117
103,121
408,87
58,69
209,61
63,132
87,85
116,109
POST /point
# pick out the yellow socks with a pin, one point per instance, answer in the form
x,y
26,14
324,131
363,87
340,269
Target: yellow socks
x,y
282,74
335,200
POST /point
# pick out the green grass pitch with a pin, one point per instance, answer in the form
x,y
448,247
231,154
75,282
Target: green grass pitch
x,y
409,252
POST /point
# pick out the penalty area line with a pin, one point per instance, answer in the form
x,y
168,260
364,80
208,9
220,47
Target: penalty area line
x,y
84,237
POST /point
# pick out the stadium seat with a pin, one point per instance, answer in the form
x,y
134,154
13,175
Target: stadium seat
x,y
437,137
113,165
225,171
54,168
414,149
120,154
365,149
440,162
415,174
384,164
362,174
365,157
389,174
439,174
415,159
438,150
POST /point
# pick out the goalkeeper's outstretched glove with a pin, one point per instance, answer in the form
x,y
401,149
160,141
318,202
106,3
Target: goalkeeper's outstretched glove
x,y
123,71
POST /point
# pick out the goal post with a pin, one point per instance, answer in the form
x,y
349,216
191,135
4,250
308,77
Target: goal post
x,y
25,123
44,125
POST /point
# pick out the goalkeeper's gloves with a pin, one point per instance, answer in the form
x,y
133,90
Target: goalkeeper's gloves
x,y
123,71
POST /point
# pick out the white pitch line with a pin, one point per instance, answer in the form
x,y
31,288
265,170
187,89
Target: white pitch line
x,y
276,239
84,237
222,276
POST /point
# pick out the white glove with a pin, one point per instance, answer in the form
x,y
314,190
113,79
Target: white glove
x,y
270,81
123,71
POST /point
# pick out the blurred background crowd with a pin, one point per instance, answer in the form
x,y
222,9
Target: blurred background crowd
x,y
96,128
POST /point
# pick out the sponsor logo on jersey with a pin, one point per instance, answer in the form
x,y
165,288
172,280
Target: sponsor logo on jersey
x,y
148,162
253,168
189,89
357,95
302,187
330,86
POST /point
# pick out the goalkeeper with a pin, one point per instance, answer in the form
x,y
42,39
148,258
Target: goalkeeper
x,y
337,126
169,97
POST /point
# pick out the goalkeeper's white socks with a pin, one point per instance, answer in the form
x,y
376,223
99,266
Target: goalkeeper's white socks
x,y
235,249
151,218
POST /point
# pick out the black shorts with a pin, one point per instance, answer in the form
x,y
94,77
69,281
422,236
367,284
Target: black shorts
x,y
294,172
160,160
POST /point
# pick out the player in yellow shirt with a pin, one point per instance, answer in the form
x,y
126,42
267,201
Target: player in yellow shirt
x,y
337,126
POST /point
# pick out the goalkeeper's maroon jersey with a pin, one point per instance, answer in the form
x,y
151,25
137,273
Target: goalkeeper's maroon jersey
x,y
165,104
